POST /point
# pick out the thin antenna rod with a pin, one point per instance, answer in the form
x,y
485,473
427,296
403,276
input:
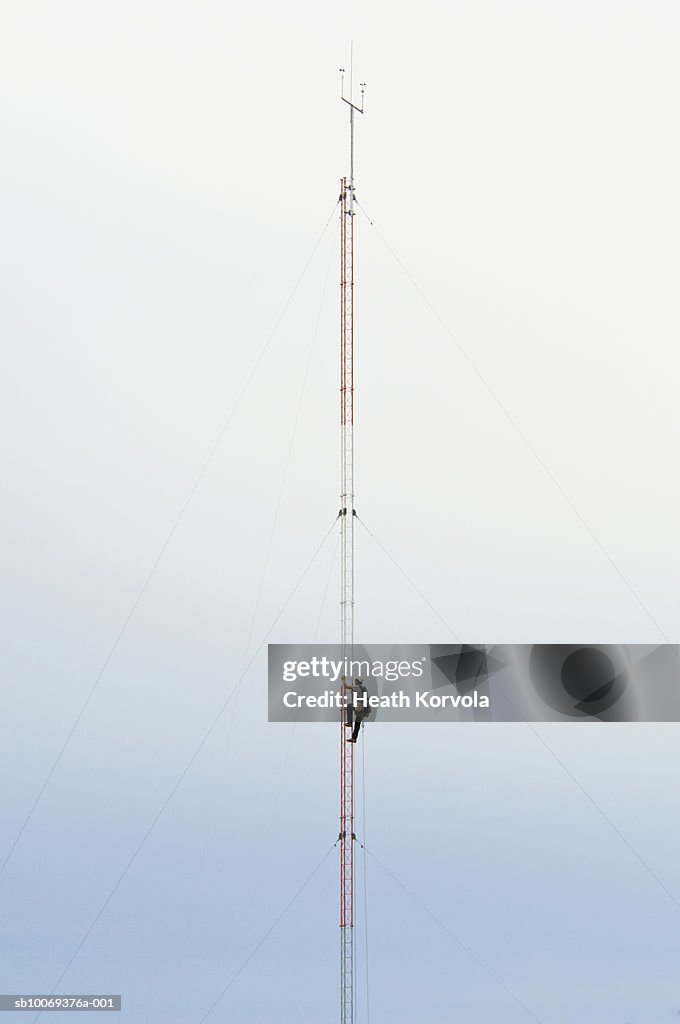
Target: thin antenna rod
x,y
347,517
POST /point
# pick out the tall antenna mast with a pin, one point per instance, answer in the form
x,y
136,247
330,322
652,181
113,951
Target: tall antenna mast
x,y
347,516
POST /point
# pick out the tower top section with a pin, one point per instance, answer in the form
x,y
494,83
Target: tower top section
x,y
353,107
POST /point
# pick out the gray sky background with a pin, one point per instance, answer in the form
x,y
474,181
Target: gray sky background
x,y
166,171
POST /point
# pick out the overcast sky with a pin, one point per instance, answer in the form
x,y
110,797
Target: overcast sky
x,y
167,169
